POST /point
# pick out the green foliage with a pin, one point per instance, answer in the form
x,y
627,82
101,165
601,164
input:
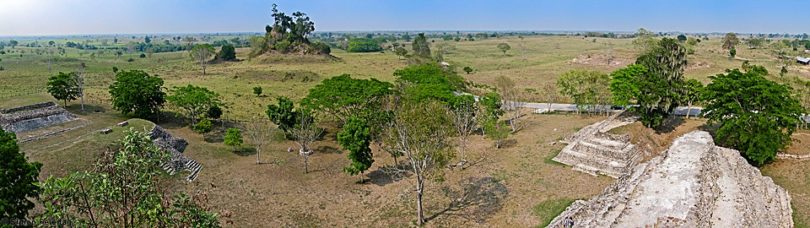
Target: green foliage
x,y
227,53
363,45
282,114
732,52
624,84
504,47
497,131
233,137
491,103
421,47
124,184
468,69
342,96
64,86
682,38
282,46
135,92
730,41
257,90
429,81
692,91
203,126
549,209
201,53
586,88
645,40
194,101
18,179
356,138
661,88
755,116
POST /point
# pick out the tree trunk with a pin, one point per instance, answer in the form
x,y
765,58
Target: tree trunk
x,y
689,110
420,214
258,151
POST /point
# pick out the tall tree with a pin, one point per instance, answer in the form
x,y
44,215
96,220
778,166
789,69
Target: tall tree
x,y
201,53
421,47
755,115
64,86
227,53
661,88
584,87
510,101
624,84
356,138
420,133
135,92
282,114
260,134
18,179
464,115
730,41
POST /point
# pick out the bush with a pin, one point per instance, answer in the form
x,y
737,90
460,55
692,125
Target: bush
x,y
215,112
130,60
233,137
142,55
227,53
257,90
282,46
321,48
204,126
363,45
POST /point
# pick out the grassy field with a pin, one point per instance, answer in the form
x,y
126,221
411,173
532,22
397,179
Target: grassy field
x,y
517,185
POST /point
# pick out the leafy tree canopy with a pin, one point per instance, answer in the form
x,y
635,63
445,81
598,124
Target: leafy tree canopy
x,y
18,179
661,88
624,84
135,92
64,86
342,96
356,138
755,115
363,45
430,81
227,53
195,101
282,114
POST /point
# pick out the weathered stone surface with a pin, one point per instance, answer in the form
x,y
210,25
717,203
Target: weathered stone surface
x,y
175,146
105,131
123,124
592,150
35,116
693,184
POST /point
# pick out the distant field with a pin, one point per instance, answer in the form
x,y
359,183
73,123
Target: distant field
x,y
279,194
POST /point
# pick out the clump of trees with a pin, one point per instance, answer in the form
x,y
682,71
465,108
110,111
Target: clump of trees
x,y
504,47
363,45
195,101
136,92
227,53
288,34
755,115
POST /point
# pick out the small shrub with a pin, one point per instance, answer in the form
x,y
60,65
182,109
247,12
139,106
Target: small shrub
x,y
130,60
2,69
257,90
233,137
142,55
204,126
214,112
282,46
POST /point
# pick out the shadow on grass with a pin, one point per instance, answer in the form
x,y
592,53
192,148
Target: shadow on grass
x,y
88,108
389,174
245,151
477,200
328,150
669,124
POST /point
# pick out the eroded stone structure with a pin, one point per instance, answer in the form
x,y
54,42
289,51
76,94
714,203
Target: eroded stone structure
x,y
175,146
595,151
32,117
693,184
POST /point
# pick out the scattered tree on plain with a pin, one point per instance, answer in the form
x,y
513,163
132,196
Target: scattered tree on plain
x,y
420,134
305,132
201,53
18,179
227,53
64,86
468,69
342,97
586,88
755,116
504,47
135,92
463,114
283,115
730,41
260,134
510,102
257,90
195,101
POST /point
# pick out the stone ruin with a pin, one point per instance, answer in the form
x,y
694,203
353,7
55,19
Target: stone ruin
x,y
175,146
592,150
693,184
32,117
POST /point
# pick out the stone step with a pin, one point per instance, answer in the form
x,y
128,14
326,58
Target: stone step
x,y
608,166
625,153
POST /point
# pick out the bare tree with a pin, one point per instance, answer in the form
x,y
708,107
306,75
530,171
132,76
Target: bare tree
x,y
420,134
80,83
510,102
201,53
260,133
465,123
305,133
550,94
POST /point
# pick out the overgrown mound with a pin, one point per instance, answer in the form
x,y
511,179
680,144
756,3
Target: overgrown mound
x,y
288,35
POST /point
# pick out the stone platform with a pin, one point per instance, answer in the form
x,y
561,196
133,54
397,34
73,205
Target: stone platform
x,y
592,150
32,117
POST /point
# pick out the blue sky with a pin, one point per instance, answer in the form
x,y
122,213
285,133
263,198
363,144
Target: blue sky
x,y
66,17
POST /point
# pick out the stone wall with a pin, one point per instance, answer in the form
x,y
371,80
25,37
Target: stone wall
x,y
693,184
32,117
592,150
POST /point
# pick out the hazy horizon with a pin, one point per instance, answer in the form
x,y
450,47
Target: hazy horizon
x,y
97,17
